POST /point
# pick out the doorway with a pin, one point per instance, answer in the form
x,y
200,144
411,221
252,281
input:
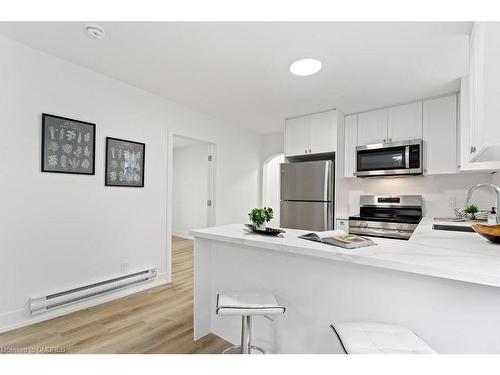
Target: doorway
x,y
190,201
271,186
192,185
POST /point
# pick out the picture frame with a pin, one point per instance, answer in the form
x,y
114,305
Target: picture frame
x,y
68,145
125,162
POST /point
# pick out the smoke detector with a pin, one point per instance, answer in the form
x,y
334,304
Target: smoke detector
x,y
95,31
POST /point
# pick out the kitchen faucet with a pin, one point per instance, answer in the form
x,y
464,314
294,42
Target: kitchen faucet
x,y
495,188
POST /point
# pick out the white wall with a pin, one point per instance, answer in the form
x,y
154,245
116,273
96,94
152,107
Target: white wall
x,y
495,178
60,230
271,144
190,188
436,191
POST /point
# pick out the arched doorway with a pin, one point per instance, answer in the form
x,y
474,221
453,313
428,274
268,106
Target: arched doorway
x,y
271,186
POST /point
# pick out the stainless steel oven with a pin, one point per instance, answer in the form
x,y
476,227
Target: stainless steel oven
x,y
395,216
389,159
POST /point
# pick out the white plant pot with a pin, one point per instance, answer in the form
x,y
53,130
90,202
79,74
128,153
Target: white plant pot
x,y
262,227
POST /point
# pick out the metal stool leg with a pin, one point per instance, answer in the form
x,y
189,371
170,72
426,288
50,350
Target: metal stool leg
x,y
246,334
246,346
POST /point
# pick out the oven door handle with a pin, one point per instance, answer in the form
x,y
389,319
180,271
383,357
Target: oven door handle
x,y
407,157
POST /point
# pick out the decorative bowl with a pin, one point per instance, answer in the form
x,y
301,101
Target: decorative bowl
x,y
490,232
269,231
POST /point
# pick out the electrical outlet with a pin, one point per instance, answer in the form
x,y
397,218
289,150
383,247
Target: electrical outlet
x,y
124,267
452,202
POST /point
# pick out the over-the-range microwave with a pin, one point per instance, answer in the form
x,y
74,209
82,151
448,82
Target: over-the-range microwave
x,y
389,159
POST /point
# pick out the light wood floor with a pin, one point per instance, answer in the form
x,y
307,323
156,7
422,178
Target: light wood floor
x,y
159,320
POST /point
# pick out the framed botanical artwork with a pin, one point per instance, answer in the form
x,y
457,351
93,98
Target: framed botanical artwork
x,y
124,163
68,145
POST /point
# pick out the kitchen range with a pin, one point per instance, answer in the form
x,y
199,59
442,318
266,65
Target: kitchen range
x,y
394,216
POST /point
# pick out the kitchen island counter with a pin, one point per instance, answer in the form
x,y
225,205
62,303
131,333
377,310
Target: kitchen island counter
x,y
453,255
443,285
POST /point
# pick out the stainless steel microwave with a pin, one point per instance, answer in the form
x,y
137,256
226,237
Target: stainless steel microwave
x,y
389,159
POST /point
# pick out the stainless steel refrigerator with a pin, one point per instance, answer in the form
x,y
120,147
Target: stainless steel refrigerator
x,y
307,195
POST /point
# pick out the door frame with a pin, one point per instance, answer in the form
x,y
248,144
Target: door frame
x,y
211,188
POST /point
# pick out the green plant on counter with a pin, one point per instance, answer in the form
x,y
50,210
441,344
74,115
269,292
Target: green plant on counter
x,y
472,210
259,216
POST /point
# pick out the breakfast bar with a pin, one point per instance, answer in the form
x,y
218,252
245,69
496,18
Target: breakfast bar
x,y
443,285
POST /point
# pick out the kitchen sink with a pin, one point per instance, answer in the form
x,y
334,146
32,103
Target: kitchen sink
x,y
453,228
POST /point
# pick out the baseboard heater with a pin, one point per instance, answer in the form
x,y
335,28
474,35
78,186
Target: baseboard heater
x,y
56,300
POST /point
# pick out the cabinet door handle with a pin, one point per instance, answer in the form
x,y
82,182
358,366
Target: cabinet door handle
x,y
309,150
385,140
390,139
472,149
305,151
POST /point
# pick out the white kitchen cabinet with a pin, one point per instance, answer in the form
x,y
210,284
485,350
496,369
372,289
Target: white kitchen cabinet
x,y
465,134
297,136
440,135
484,85
394,124
311,134
322,132
350,142
372,127
404,122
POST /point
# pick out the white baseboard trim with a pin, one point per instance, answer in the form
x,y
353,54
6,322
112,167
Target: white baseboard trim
x,y
21,317
182,234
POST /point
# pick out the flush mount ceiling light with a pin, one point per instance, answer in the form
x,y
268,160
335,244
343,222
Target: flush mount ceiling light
x,y
305,67
95,31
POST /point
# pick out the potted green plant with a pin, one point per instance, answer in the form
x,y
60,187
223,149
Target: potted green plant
x,y
260,217
472,210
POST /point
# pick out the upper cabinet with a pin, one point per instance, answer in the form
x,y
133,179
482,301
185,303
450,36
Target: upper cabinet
x,y
434,121
311,134
484,93
404,122
394,124
465,134
322,132
440,135
372,127
297,136
351,140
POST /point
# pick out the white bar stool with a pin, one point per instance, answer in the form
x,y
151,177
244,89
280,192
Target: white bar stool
x,y
379,338
246,305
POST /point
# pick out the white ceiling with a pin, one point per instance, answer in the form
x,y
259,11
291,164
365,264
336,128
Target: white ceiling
x,y
239,71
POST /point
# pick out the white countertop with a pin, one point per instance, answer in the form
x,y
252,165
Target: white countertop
x,y
452,255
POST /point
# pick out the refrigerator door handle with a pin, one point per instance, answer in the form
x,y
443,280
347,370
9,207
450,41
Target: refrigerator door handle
x,y
325,218
326,189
